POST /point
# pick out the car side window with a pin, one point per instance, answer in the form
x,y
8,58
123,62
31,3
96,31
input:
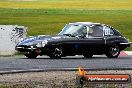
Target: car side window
x,y
82,31
108,31
95,31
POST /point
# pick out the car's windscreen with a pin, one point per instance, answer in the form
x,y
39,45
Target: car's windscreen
x,y
73,30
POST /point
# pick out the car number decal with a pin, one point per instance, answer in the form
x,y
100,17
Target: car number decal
x,y
107,32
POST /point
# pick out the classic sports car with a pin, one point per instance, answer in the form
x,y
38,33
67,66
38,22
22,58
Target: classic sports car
x,y
79,38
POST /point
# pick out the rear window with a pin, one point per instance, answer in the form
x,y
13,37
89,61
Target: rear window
x,y
117,33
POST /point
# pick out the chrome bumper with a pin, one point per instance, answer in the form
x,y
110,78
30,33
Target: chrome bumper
x,y
126,43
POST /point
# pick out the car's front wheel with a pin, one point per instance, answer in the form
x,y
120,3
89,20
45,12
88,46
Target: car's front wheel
x,y
56,52
31,55
113,51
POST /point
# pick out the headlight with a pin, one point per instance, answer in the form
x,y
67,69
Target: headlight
x,y
42,44
21,39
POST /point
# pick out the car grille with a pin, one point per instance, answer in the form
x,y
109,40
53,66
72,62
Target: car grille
x,y
24,48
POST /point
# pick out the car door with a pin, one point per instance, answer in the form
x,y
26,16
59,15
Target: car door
x,y
94,41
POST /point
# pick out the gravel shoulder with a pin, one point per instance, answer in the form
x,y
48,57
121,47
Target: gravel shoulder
x,y
56,79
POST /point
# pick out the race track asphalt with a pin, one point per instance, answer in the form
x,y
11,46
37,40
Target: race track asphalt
x,y
21,63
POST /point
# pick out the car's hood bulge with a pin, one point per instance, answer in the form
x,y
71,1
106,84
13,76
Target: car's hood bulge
x,y
41,38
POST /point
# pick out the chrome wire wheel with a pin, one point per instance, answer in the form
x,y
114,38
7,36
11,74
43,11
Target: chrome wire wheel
x,y
56,53
113,52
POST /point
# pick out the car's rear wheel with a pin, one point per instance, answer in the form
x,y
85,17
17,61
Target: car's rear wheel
x,y
31,55
56,52
113,51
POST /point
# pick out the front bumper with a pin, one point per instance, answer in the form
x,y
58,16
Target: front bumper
x,y
33,49
127,44
24,48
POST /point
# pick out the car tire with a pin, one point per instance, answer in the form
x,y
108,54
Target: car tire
x,y
88,55
113,51
56,53
31,55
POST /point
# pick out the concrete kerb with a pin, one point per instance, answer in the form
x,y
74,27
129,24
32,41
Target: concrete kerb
x,y
60,69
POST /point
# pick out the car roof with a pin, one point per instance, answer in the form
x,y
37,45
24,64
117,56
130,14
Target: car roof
x,y
86,23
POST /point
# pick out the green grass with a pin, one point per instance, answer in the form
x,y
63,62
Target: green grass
x,y
68,4
51,21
